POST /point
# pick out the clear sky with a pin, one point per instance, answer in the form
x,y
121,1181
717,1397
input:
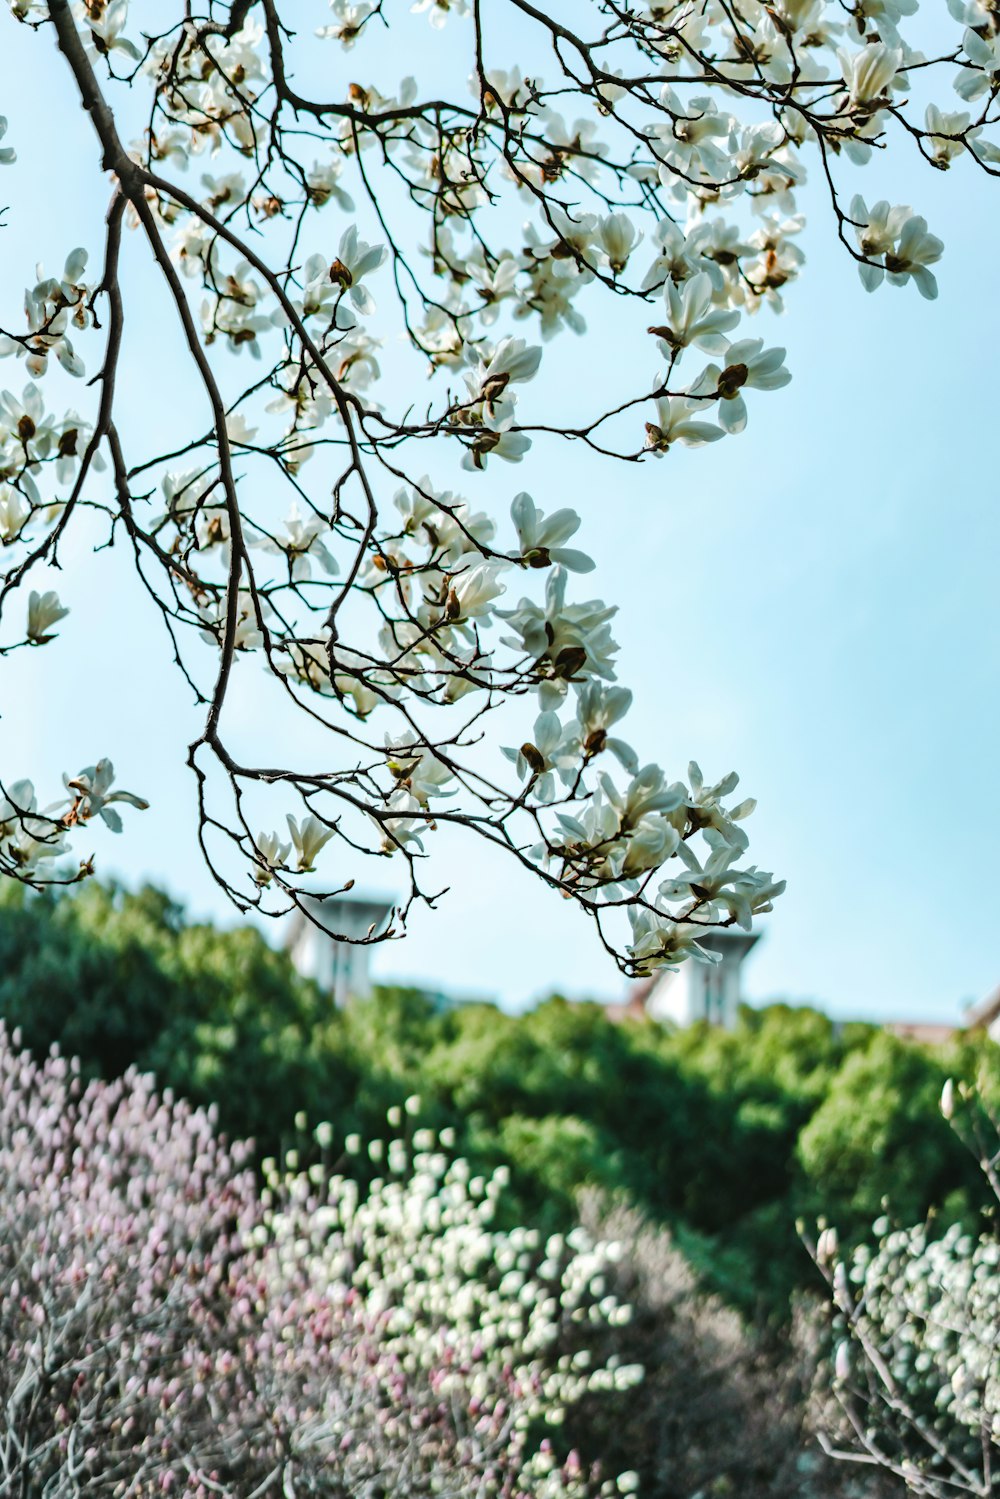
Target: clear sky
x,y
813,603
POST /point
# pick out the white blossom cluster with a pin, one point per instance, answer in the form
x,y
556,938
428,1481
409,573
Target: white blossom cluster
x,y
916,1364
420,1291
31,836
659,168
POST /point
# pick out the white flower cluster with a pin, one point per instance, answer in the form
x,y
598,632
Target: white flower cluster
x,y
934,1302
421,1291
49,308
917,1364
30,836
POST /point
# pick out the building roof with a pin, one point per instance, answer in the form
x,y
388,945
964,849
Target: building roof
x,y
923,1032
720,939
348,916
981,1016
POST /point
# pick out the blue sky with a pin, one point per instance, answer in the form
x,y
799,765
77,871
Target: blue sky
x,y
813,603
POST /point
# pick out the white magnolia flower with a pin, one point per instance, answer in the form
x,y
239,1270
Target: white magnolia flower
x,y
687,145
472,592
598,707
984,74
544,753
300,542
672,262
106,23
541,536
748,366
417,769
250,608
94,797
322,181
439,10
887,14
869,73
943,132
679,420
7,153
355,260
14,512
271,854
948,1098
495,281
511,446
661,941
15,805
349,18
877,229
308,838
44,610
693,318
513,360
617,237
915,250
238,430
568,642
405,823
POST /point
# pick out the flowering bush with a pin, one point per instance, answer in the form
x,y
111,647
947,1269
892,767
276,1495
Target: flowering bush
x,y
917,1365
164,1327
721,1412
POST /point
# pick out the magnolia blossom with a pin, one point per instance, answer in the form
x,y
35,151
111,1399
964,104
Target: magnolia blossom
x,y
93,796
896,243
354,260
748,366
512,361
914,251
308,838
14,512
547,751
349,19
679,420
946,134
417,770
44,611
541,536
299,543
566,641
869,73
438,11
271,855
617,237
692,317
984,74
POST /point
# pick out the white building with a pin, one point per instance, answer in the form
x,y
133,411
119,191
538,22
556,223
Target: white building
x,y
334,952
699,991
986,1016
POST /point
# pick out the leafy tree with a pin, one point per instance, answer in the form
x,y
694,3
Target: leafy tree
x,y
877,1140
728,1137
120,979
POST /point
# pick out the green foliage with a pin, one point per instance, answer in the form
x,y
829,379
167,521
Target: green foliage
x,y
728,1137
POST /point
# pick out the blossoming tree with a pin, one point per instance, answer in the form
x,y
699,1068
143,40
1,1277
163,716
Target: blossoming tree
x,y
648,153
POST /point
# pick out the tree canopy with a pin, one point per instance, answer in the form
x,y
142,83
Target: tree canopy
x,y
728,1137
